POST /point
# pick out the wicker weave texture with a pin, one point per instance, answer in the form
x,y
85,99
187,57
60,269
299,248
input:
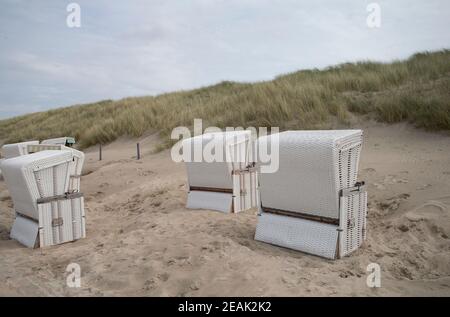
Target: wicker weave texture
x,y
233,147
16,149
210,200
354,212
75,167
32,176
61,221
298,234
313,167
326,240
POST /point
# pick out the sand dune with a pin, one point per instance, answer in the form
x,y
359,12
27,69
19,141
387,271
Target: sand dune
x,y
141,241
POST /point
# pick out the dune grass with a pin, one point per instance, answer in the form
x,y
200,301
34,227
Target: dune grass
x,y
416,90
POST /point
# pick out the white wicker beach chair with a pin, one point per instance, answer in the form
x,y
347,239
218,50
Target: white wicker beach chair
x,y
227,185
313,203
16,149
47,213
67,141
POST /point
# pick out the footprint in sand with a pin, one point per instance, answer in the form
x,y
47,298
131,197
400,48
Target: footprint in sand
x,y
435,214
149,285
392,179
393,203
195,286
164,276
423,187
404,272
142,172
379,186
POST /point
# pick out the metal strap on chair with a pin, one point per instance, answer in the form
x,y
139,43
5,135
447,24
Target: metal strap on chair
x,y
358,188
66,196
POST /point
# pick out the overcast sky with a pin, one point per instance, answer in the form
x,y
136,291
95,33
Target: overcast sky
x,y
130,48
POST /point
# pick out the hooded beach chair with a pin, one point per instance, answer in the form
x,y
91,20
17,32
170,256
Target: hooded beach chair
x,y
16,149
24,148
227,183
313,203
47,212
67,141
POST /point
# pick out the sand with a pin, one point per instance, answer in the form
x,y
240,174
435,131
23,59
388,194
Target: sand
x,y
141,241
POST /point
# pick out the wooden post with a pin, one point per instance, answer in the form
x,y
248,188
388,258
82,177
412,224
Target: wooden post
x,y
138,150
100,152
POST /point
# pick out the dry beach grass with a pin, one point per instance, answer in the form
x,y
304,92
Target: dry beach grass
x,y
416,90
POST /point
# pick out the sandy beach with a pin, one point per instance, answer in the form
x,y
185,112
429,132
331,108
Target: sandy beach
x,y
142,241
